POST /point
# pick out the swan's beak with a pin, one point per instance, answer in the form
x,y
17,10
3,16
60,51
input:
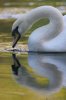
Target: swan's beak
x,y
16,36
16,39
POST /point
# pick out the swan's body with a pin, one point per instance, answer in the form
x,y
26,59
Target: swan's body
x,y
51,37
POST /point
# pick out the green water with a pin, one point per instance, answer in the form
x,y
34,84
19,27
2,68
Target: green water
x,y
10,88
24,83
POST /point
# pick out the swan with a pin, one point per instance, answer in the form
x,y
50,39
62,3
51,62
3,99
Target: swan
x,y
50,37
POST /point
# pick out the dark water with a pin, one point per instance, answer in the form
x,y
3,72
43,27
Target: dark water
x,y
27,75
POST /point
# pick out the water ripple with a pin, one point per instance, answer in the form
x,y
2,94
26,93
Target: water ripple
x,y
6,13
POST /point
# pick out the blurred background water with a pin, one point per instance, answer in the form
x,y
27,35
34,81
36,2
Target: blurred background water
x,y
10,10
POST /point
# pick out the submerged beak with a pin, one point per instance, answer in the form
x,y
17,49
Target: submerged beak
x,y
16,36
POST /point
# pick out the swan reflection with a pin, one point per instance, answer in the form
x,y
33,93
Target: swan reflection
x,y
51,66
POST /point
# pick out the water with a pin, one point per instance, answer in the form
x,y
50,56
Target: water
x,y
27,75
30,74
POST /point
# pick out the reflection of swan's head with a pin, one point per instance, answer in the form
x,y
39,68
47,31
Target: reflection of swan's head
x,y
43,66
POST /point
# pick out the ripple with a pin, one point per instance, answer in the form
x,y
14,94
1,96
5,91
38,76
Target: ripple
x,y
7,13
7,47
19,4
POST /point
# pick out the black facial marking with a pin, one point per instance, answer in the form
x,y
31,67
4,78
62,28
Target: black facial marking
x,y
15,31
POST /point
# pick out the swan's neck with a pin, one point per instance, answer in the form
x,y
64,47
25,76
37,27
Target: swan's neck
x,y
56,20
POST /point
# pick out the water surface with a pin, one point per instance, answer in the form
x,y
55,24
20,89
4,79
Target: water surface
x,y
31,74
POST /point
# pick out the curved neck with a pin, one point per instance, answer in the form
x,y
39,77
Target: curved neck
x,y
56,20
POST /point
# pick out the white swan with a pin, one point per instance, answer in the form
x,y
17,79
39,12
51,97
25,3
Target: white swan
x,y
51,37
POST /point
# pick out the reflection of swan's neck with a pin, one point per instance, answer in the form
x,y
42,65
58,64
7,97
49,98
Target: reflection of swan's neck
x,y
56,20
42,67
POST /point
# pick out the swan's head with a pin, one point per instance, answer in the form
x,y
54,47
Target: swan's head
x,y
19,27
